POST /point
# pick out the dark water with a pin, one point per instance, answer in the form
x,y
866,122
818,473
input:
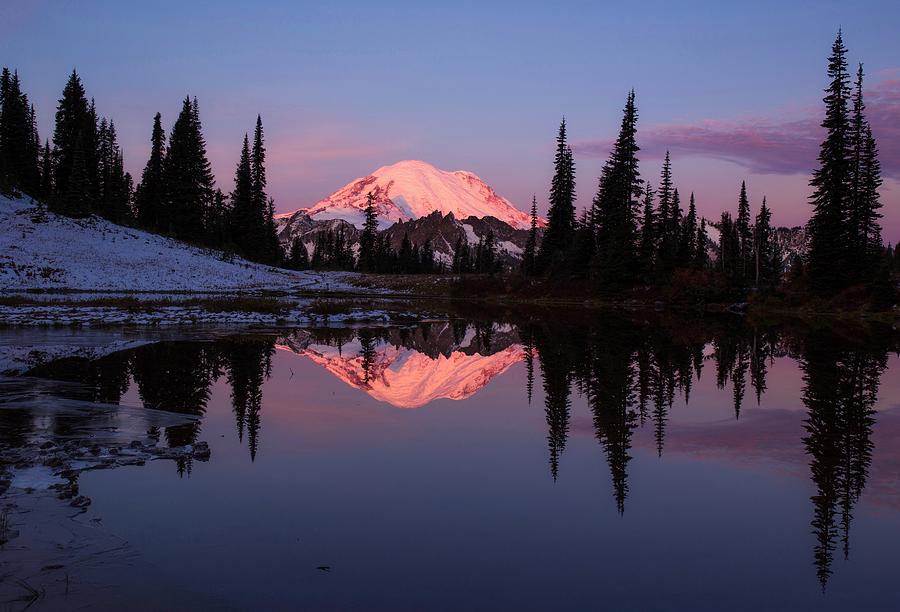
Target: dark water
x,y
518,464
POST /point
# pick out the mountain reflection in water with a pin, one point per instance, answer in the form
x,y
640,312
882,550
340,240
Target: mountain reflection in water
x,y
632,377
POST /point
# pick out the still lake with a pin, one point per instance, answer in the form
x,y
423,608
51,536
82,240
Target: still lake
x,y
510,464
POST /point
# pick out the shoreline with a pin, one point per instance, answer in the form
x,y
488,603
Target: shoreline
x,y
160,309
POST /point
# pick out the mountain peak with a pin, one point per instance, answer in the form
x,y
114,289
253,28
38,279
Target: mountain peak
x,y
410,189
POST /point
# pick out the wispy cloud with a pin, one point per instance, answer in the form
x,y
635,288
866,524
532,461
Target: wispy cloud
x,y
770,145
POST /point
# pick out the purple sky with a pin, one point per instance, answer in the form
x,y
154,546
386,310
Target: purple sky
x,y
734,91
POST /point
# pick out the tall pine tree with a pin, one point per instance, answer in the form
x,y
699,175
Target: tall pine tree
x,y
615,207
561,213
765,257
648,233
151,191
188,179
529,255
745,234
72,123
245,218
267,248
369,235
19,144
688,240
827,255
666,238
864,239
701,257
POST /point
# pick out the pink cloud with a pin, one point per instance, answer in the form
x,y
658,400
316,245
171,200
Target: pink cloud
x,y
771,145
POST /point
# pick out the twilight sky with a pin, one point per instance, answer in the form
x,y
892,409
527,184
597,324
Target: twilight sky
x,y
733,89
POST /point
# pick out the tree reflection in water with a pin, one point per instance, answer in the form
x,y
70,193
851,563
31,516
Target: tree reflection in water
x,y
629,374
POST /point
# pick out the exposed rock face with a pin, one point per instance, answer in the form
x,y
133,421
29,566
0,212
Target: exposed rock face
x,y
306,228
791,241
442,230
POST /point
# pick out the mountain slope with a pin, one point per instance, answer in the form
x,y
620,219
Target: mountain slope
x,y
443,231
42,250
413,189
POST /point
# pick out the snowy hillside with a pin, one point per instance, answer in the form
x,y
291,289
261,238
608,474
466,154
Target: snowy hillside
x,y
412,189
44,251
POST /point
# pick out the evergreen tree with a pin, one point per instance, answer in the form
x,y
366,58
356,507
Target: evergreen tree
x,y
114,198
91,147
45,193
273,254
75,202
827,255
188,178
384,255
764,254
151,191
729,249
530,253
745,234
72,118
462,259
217,229
427,263
701,257
486,255
688,242
561,213
406,255
864,232
5,171
666,241
268,249
318,260
615,207
855,239
244,218
369,234
648,244
298,259
19,144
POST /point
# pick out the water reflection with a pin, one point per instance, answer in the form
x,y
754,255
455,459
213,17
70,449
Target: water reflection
x,y
410,367
631,376
841,386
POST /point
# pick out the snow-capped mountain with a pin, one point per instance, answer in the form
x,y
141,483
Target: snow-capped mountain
x,y
412,368
412,189
405,378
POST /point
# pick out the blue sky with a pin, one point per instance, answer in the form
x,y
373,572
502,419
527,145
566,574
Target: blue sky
x,y
345,87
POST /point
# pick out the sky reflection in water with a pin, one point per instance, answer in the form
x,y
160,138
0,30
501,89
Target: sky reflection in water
x,y
658,466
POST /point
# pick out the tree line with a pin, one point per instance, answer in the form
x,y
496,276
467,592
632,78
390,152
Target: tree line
x,y
82,173
631,235
630,376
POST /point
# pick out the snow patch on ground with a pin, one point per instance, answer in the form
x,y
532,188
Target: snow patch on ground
x,y
16,358
471,236
50,315
37,477
48,251
510,247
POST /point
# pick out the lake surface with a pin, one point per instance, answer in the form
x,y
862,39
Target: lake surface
x,y
519,463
